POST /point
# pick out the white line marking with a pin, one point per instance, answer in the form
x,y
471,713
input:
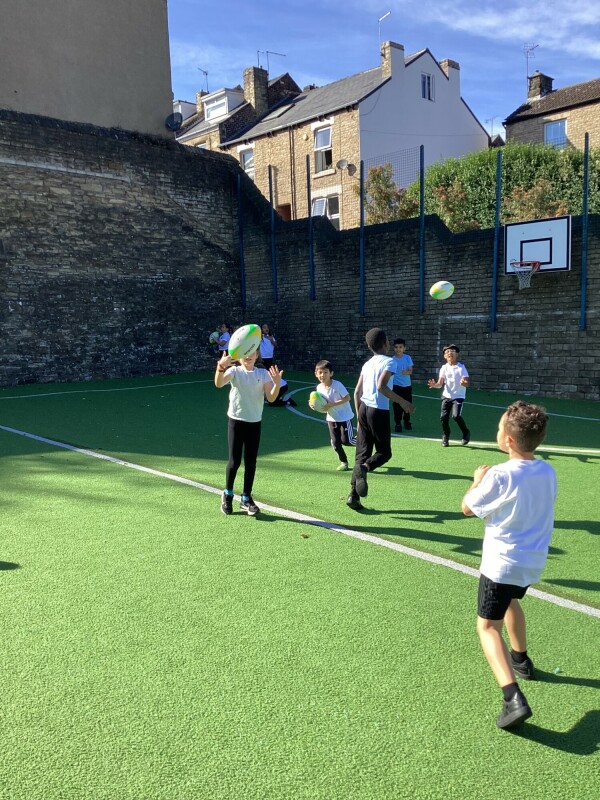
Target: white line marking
x,y
282,512
93,391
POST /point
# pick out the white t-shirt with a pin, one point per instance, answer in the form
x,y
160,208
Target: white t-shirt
x,y
266,347
332,394
516,499
247,394
452,375
371,372
224,341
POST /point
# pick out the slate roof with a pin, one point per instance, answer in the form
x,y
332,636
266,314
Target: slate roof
x,y
315,103
576,95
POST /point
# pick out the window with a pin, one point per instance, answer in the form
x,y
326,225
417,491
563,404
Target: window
x,y
215,108
327,207
323,151
247,162
427,86
555,133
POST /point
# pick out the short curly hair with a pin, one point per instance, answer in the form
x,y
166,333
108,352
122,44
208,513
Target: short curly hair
x,y
526,423
376,339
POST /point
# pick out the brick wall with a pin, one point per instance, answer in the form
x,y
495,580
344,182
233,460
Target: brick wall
x,y
119,254
582,120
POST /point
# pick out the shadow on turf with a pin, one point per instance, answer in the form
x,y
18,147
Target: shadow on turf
x,y
587,525
582,740
590,586
9,565
428,476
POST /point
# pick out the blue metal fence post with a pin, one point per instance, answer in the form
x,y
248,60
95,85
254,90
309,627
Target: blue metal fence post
x,y
421,229
241,242
584,231
311,255
273,248
496,240
361,239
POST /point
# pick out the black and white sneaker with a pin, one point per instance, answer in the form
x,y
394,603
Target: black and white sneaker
x,y
227,503
466,438
249,506
445,442
353,501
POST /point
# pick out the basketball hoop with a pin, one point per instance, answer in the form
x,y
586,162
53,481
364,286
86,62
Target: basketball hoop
x,y
524,270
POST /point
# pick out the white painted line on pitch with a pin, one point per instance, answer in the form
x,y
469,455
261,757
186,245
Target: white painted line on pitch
x,y
331,526
550,448
105,391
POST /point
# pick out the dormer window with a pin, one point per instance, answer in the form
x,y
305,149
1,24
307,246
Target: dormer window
x,y
215,108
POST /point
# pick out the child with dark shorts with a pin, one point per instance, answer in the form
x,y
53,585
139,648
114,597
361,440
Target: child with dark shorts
x,y
516,500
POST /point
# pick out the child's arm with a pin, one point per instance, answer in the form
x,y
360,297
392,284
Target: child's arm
x,y
272,391
220,378
433,384
478,476
387,392
358,393
333,403
407,371
464,381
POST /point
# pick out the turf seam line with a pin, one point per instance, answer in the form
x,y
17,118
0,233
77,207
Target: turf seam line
x,y
331,526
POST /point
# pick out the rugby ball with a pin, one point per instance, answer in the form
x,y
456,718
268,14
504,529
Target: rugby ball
x,y
214,337
441,290
316,401
244,341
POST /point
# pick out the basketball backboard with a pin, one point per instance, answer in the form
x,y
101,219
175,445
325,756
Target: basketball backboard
x,y
545,240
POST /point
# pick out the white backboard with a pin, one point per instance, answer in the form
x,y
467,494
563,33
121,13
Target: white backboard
x,y
545,240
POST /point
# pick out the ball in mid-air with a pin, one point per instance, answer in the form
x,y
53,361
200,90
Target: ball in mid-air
x,y
316,401
244,341
441,290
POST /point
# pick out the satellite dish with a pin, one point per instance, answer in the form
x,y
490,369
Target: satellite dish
x,y
174,121
343,164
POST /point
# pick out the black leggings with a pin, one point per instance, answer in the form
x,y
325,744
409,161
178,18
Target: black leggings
x,y
242,436
454,408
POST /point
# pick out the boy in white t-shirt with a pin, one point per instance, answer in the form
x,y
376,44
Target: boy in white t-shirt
x,y
250,386
516,499
339,411
372,397
453,376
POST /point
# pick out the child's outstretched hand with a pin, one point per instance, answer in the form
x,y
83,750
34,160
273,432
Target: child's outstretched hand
x,y
431,383
276,374
225,361
464,381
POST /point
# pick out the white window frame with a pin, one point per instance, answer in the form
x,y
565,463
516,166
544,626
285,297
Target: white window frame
x,y
215,108
427,86
321,149
244,153
558,142
321,208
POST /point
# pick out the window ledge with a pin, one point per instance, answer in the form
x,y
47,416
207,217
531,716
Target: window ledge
x,y
323,173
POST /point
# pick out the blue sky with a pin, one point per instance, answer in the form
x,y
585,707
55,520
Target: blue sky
x,y
330,39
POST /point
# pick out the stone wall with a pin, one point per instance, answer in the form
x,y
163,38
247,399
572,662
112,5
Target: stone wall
x,y
580,120
119,254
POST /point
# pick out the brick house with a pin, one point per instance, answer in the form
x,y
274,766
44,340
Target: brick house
x,y
220,115
397,106
559,117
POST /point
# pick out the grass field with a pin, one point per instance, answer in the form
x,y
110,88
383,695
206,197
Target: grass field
x,y
155,649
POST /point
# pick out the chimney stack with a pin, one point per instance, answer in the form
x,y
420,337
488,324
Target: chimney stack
x,y
539,85
256,81
199,103
392,59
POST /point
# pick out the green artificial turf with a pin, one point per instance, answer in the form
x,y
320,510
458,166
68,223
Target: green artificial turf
x,y
155,649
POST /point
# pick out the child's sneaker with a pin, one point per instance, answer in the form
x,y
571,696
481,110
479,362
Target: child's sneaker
x,y
408,426
523,669
514,712
353,501
445,442
359,475
227,503
397,428
249,506
466,438
343,467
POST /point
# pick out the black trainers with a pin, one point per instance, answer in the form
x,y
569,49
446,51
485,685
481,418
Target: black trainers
x,y
359,476
445,442
514,712
291,402
249,506
523,669
397,428
466,438
227,503
408,426
353,501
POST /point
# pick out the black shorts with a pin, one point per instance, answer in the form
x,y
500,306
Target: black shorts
x,y
494,598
